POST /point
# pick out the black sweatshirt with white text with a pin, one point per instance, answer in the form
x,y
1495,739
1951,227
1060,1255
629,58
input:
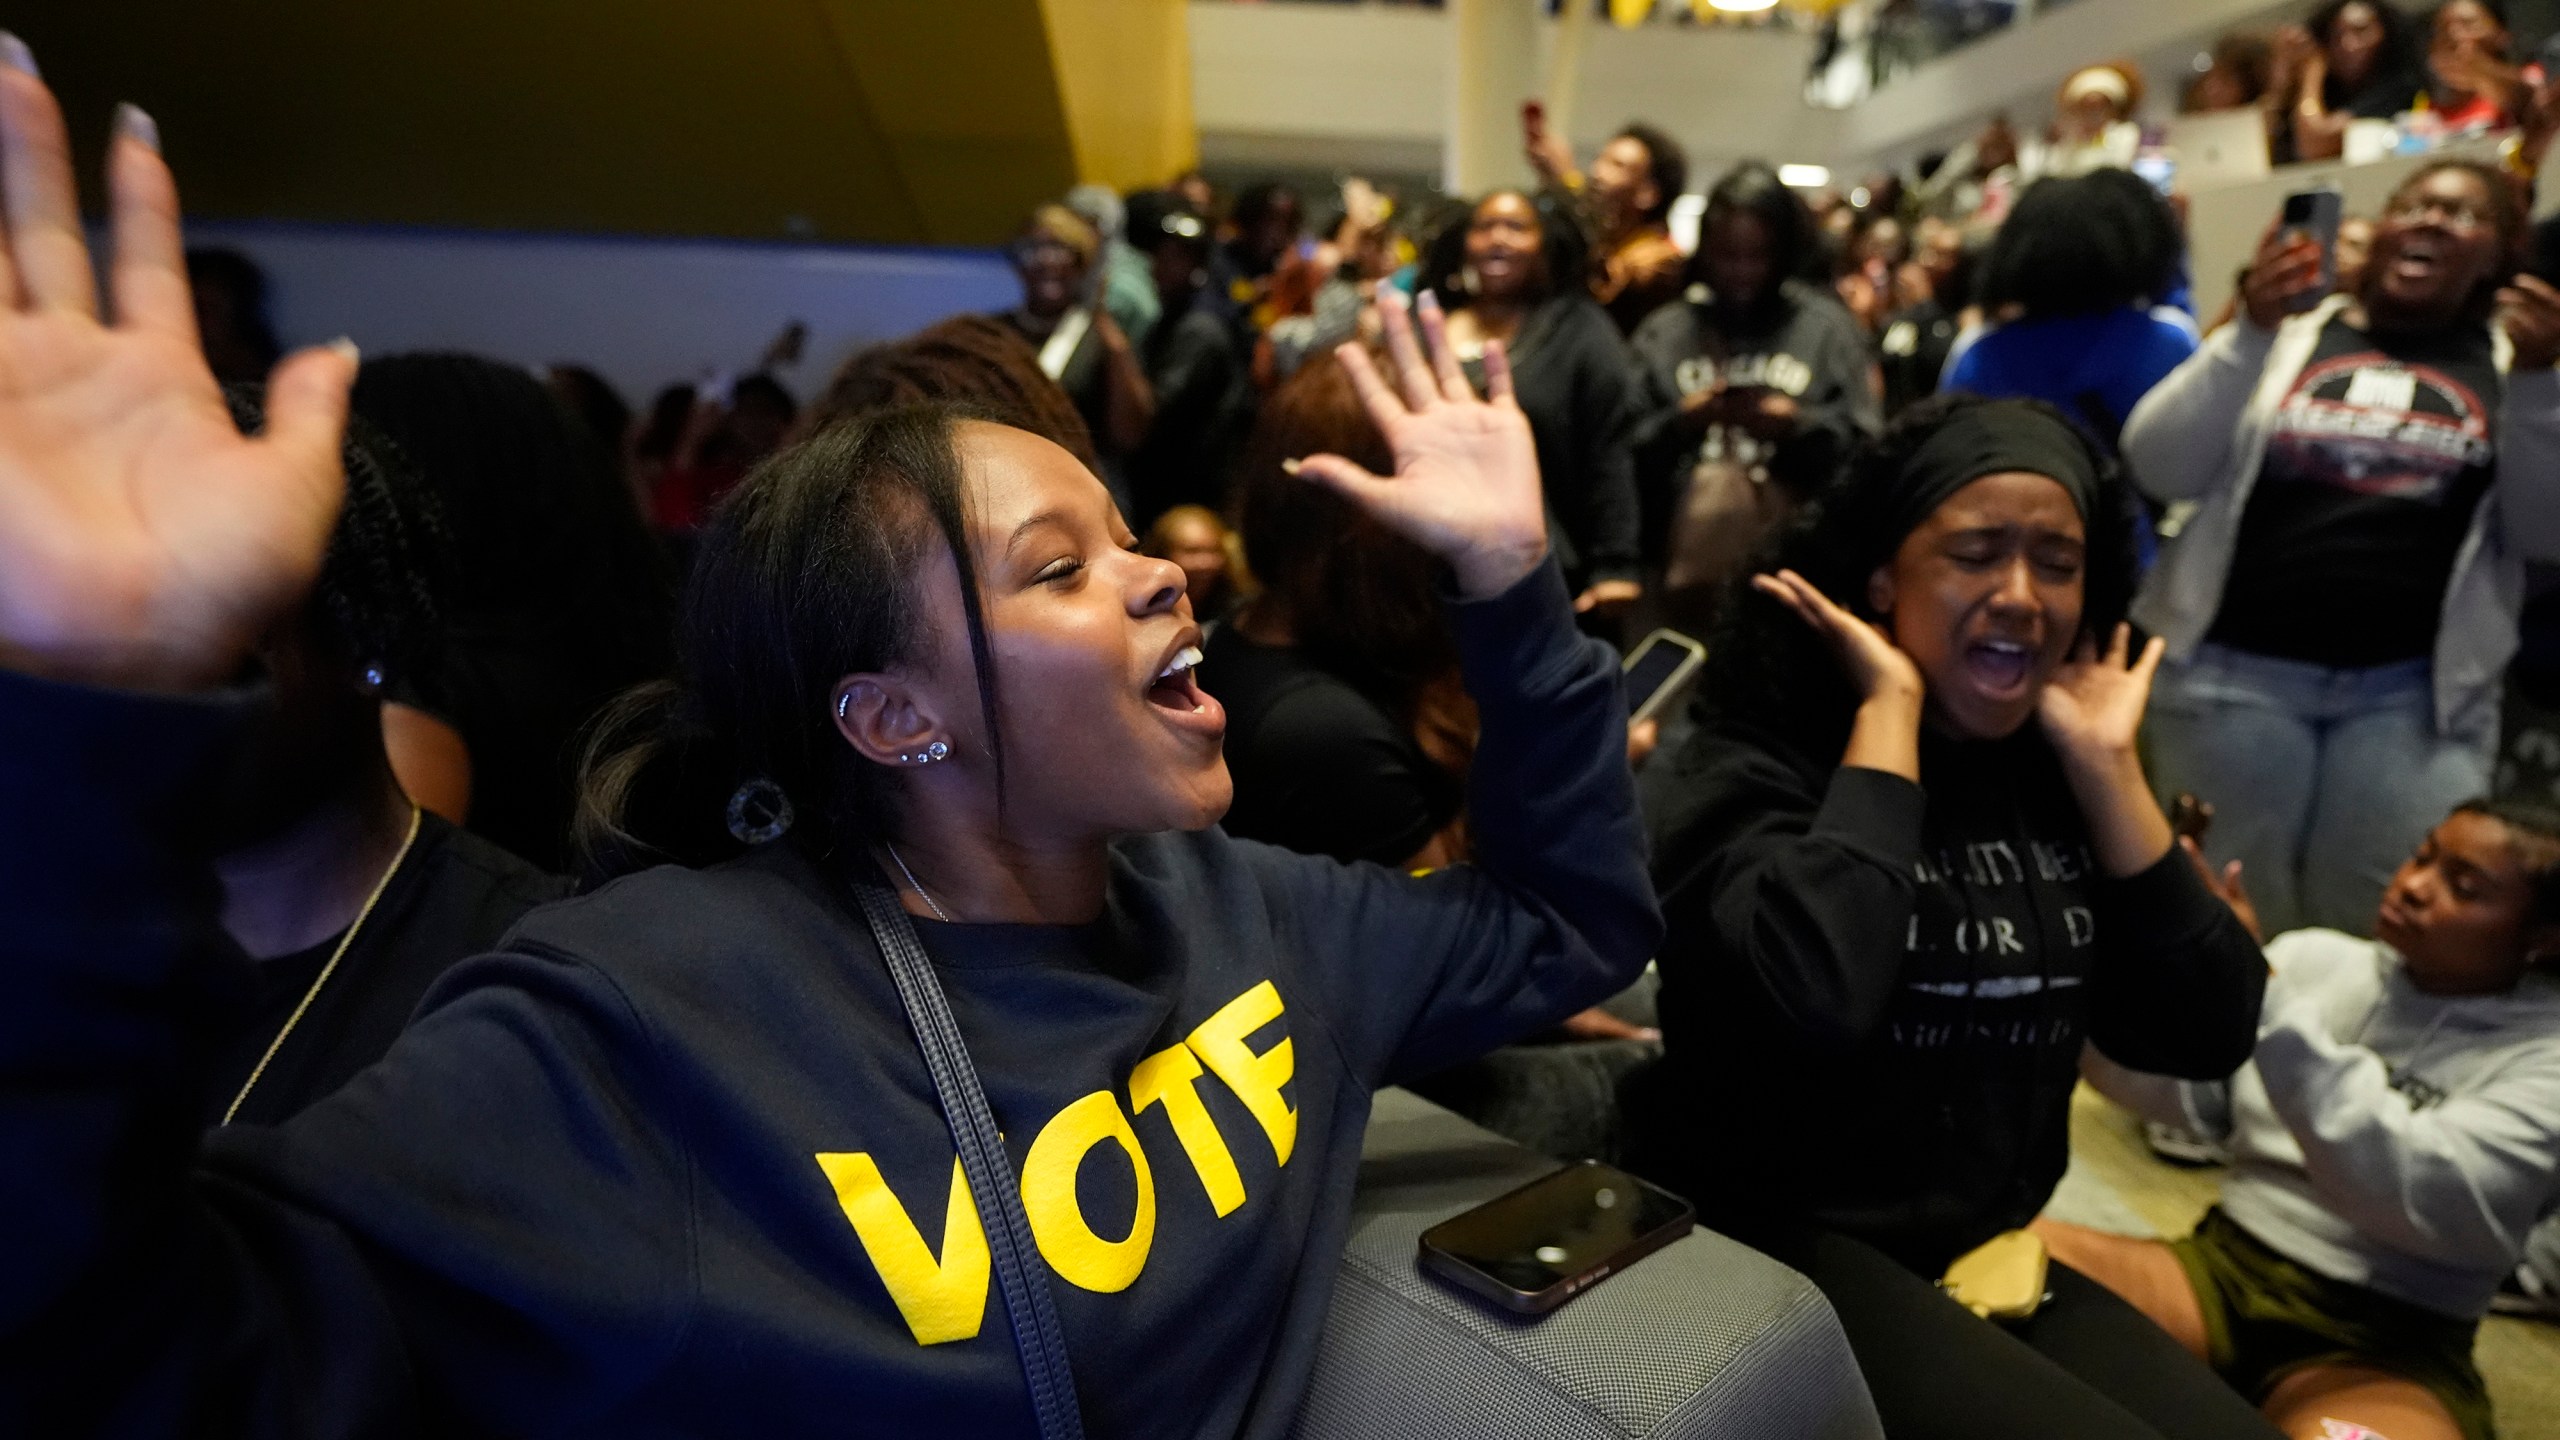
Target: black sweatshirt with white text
x,y
1874,992
668,1162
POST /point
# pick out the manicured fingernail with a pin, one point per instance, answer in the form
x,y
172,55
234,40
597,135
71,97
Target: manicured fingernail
x,y
1289,466
1430,301
15,54
135,124
347,347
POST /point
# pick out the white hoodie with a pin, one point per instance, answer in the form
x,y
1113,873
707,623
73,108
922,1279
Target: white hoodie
x,y
2382,1136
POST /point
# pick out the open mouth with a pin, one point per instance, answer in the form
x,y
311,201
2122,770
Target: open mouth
x,y
2000,668
1176,694
2417,257
1175,687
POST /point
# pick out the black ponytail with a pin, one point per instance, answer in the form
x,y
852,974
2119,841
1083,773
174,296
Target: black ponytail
x,y
808,573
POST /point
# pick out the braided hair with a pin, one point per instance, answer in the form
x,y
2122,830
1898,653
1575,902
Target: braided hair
x,y
380,594
974,358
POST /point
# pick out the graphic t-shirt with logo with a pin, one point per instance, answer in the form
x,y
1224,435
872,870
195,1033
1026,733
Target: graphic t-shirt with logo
x,y
2377,460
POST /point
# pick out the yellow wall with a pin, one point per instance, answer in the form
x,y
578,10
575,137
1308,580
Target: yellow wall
x,y
1125,68
917,121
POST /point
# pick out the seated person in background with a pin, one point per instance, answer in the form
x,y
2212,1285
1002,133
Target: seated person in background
x,y
2073,286
1080,346
1909,862
1624,209
2370,476
2393,1141
1212,560
1347,731
1750,388
1505,270
350,898
560,598
2094,125
2471,85
2352,60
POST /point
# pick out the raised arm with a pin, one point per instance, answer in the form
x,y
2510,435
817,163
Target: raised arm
x,y
1555,911
144,546
2177,442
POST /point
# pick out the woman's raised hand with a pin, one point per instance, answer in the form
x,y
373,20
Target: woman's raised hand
x,y
1466,481
1875,665
144,542
2286,267
2092,708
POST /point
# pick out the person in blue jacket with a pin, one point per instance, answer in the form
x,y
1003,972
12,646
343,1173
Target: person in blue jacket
x,y
2078,283
668,1161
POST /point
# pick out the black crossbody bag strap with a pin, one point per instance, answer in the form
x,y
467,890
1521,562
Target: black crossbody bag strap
x,y
982,1159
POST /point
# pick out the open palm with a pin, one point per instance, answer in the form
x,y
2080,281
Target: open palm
x,y
144,542
1466,481
2093,705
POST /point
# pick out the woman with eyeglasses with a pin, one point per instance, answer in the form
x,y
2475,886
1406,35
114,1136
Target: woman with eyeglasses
x,y
2369,474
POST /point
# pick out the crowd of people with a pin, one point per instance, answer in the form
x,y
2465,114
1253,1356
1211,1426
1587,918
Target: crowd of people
x,y
469,838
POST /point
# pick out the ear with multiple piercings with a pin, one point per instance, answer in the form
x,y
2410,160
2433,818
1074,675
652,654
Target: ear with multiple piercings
x,y
938,750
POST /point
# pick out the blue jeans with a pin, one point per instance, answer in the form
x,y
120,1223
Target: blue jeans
x,y
2322,781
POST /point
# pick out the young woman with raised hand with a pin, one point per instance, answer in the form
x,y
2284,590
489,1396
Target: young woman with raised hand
x,y
1910,863
2370,473
669,1162
2393,1141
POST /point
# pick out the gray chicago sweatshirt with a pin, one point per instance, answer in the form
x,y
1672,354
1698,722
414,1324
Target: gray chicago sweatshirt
x,y
2380,1135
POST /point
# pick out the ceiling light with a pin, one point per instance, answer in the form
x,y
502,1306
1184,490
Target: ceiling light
x,y
1741,7
1804,177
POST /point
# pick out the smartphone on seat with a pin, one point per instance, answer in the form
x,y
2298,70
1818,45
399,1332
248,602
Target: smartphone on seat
x,y
2314,215
1657,670
1533,1249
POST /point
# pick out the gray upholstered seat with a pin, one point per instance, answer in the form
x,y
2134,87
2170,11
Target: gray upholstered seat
x,y
1704,1338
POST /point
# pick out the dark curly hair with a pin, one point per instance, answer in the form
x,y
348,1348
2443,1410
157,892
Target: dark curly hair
x,y
1770,675
2076,245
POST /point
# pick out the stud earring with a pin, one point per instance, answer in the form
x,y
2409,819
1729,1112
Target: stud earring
x,y
938,750
844,703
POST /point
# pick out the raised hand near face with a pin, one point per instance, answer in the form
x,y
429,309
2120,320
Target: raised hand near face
x,y
2093,706
1466,481
144,542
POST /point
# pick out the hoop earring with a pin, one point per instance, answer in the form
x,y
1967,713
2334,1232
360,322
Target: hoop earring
x,y
759,812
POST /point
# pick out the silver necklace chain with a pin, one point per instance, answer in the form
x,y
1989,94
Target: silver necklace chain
x,y
914,884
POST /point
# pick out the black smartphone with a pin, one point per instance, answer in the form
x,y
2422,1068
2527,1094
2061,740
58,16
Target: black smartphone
x,y
1657,669
2314,215
1535,1248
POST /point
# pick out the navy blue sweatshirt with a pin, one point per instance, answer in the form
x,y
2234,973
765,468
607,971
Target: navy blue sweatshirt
x,y
668,1163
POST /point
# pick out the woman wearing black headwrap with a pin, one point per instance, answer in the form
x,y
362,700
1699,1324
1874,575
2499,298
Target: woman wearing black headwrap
x,y
1910,864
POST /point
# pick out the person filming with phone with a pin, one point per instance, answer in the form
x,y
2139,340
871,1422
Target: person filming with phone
x,y
2370,471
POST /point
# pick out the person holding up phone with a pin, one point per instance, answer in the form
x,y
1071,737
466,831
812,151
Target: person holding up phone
x,y
2369,477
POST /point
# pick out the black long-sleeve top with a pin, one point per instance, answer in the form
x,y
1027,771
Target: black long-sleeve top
x,y
668,1163
1802,344
1875,992
1570,371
